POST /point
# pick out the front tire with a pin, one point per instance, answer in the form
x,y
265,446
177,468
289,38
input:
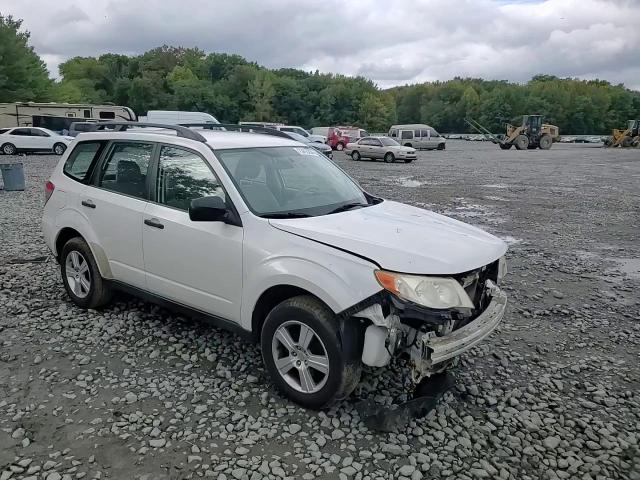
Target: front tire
x,y
340,147
521,142
356,155
81,277
9,149
441,146
389,157
304,355
505,146
59,148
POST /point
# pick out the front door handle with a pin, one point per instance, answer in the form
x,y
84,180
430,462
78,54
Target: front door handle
x,y
153,222
88,203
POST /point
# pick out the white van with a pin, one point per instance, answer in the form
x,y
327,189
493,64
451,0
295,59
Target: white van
x,y
418,136
171,117
323,131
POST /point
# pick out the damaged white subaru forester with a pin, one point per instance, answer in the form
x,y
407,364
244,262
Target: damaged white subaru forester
x,y
266,236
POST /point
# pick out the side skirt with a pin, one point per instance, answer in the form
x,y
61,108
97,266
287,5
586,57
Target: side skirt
x,y
181,309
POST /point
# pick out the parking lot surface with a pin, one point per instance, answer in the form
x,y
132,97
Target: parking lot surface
x,y
135,391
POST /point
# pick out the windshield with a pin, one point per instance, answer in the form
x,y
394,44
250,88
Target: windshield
x,y
294,181
389,142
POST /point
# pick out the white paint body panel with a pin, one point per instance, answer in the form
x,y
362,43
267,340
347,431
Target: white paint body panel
x,y
223,269
403,238
198,264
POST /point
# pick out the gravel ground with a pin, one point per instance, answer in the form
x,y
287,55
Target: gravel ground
x,y
137,392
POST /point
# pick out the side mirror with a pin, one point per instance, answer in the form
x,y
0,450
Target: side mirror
x,y
207,209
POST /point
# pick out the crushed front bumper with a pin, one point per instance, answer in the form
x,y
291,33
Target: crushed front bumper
x,y
435,350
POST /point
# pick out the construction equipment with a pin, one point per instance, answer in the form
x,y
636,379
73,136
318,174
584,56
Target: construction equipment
x,y
531,134
630,137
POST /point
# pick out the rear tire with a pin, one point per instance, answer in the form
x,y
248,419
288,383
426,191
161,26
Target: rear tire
x,y
59,148
356,155
389,157
336,369
505,146
81,277
521,142
545,142
9,149
340,147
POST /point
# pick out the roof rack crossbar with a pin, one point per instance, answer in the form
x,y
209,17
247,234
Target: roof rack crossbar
x,y
181,131
238,128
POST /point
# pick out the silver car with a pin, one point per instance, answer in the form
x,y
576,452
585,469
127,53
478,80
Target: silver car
x,y
380,147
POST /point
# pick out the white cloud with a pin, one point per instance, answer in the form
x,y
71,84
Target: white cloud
x,y
392,43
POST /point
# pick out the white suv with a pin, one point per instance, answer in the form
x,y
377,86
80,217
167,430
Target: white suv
x,y
267,236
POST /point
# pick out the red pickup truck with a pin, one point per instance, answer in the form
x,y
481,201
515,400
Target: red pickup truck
x,y
338,137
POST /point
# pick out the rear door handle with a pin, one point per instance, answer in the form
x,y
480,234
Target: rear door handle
x,y
88,203
153,222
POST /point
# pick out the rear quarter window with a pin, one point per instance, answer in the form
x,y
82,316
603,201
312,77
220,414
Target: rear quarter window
x,y
82,160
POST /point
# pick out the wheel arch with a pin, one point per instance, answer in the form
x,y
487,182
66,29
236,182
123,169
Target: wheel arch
x,y
67,233
271,297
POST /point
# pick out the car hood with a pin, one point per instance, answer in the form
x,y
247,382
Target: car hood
x,y
402,238
401,148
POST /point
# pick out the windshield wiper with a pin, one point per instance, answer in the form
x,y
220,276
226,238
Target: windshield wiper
x,y
348,206
285,215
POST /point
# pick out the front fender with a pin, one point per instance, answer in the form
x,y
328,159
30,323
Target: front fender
x,y
337,278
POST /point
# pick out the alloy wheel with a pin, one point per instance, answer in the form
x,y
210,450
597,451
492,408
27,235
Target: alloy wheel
x,y
78,274
300,357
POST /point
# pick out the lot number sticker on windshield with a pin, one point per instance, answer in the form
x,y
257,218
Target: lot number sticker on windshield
x,y
307,151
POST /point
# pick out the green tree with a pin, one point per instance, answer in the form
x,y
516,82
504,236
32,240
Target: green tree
x,y
23,75
261,92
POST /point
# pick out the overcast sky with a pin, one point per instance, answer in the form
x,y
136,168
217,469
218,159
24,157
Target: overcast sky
x,y
393,42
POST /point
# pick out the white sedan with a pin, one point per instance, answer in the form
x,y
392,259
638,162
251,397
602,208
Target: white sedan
x,y
32,139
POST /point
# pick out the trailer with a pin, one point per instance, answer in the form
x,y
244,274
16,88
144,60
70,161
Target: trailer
x,y
20,114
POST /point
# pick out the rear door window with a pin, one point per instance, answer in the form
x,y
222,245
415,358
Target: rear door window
x,y
407,134
126,168
82,159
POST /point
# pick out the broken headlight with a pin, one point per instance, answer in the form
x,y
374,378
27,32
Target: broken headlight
x,y
432,292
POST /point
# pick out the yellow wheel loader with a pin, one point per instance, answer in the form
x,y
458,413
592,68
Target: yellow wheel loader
x,y
531,134
630,137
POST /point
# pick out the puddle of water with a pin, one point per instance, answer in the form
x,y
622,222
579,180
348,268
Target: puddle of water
x,y
511,240
630,266
410,183
496,199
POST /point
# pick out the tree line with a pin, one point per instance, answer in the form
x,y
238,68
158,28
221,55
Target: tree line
x,y
234,89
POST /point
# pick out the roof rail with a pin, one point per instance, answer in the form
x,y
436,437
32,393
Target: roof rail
x,y
238,128
181,131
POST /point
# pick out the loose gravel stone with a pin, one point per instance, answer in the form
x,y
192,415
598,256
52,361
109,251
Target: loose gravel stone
x,y
551,395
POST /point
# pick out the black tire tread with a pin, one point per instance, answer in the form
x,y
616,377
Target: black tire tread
x,y
352,367
101,293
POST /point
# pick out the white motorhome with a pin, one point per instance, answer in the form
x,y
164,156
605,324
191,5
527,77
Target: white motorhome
x,y
20,114
177,117
418,136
